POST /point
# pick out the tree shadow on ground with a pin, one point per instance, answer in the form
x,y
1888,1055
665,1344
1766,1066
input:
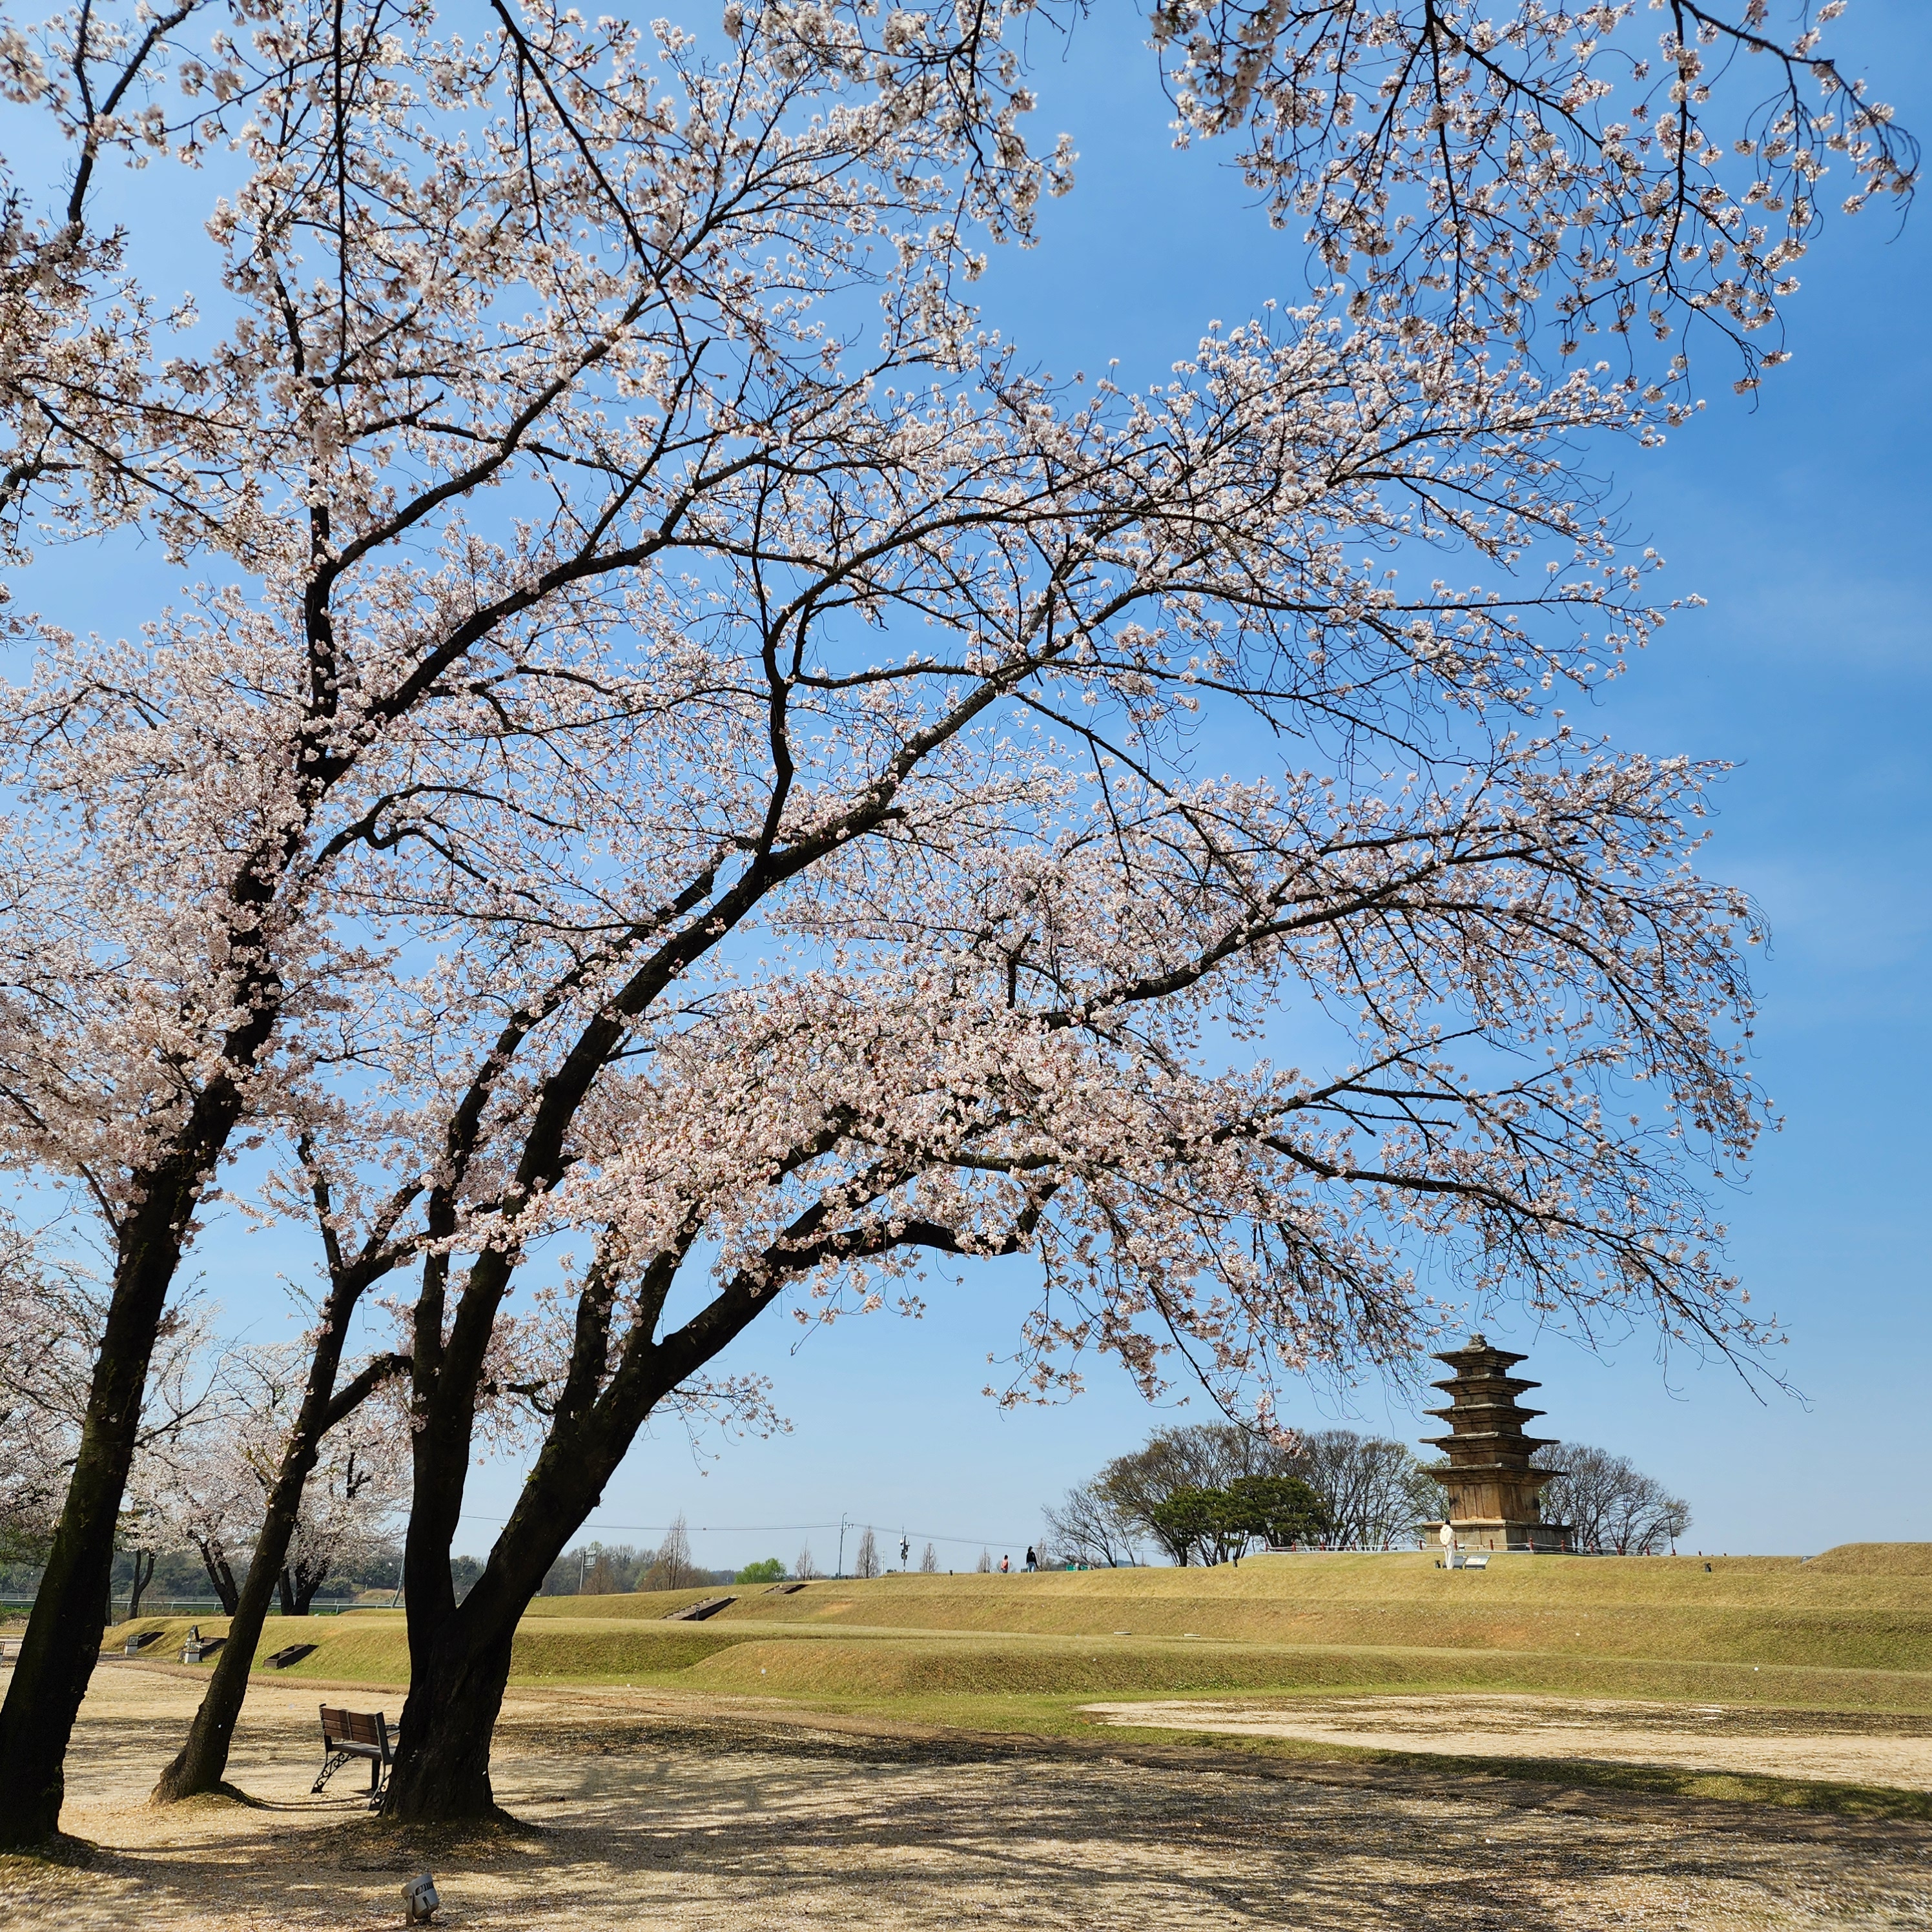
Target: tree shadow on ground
x,y
670,1823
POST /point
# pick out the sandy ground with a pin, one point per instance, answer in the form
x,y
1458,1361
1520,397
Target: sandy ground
x,y
1851,1749
658,1812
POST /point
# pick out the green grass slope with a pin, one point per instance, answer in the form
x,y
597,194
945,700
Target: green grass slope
x,y
1870,1610
1850,1630
879,1671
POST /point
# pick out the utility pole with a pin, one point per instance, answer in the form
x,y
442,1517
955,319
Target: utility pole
x,y
842,1543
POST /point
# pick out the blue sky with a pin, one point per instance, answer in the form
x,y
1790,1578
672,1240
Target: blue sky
x,y
1801,520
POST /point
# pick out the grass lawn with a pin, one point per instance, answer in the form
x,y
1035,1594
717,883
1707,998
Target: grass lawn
x,y
1848,1632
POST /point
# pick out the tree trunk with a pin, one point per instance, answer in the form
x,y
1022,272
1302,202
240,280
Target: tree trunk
x,y
220,1576
286,1586
443,1762
143,1577
201,1762
63,1639
460,1657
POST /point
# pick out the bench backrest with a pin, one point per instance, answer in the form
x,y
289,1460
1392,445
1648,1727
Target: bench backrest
x,y
354,1727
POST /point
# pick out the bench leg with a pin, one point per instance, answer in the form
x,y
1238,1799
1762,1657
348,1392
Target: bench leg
x,y
331,1764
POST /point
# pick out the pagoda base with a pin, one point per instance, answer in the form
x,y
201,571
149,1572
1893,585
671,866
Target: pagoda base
x,y
1544,1539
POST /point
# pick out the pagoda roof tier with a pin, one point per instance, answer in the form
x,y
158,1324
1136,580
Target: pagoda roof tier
x,y
1514,1410
1476,1349
1489,1441
1505,1475
1508,1385
1465,1438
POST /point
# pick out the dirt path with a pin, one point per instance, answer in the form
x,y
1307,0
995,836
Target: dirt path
x,y
677,1813
1856,1749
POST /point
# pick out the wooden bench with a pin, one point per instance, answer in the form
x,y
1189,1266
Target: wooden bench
x,y
347,1734
9,1649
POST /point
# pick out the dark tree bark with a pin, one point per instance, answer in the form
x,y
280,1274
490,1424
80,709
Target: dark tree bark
x,y
298,1588
62,1643
144,1575
460,1655
215,1562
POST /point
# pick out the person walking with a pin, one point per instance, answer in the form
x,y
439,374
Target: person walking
x,y
1033,1562
1005,1566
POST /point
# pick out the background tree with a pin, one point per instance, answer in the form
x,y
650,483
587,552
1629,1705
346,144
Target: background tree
x,y
1193,1459
349,1507
43,1372
206,1494
1279,1510
1614,1508
50,1310
1091,1527
596,1569
928,1561
670,1567
464,1572
1363,1492
1373,1492
1219,1525
483,594
1195,1525
866,1562
803,1566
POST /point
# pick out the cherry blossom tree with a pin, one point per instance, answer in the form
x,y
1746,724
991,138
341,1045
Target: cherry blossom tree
x,y
202,1491
51,1312
353,1496
1627,172
682,752
45,1328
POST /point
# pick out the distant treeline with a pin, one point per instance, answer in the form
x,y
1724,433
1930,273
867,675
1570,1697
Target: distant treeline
x,y
182,1574
614,1569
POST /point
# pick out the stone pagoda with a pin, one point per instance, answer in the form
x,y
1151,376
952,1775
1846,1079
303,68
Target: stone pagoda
x,y
1492,1489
